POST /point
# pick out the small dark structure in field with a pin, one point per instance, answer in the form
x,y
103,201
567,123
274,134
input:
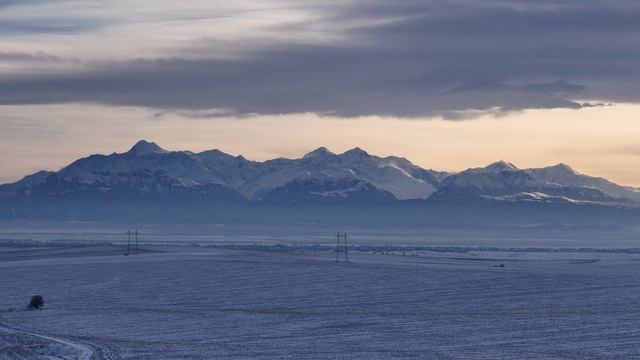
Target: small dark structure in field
x,y
37,302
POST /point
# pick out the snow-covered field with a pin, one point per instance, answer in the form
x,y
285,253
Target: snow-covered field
x,y
186,302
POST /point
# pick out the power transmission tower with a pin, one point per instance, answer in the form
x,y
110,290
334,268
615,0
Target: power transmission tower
x,y
344,248
137,241
128,241
337,247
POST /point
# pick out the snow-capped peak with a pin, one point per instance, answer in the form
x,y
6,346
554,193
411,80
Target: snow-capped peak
x,y
321,152
562,169
498,166
144,147
356,152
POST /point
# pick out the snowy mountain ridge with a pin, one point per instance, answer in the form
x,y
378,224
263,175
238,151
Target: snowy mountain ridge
x,y
149,170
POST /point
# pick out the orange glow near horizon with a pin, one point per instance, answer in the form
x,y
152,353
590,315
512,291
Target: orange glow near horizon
x,y
599,141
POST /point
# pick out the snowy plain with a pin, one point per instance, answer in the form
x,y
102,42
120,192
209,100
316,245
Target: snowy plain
x,y
285,297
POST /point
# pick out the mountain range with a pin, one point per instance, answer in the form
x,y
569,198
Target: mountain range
x,y
215,185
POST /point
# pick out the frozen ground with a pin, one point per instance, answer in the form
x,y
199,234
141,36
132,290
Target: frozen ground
x,y
174,302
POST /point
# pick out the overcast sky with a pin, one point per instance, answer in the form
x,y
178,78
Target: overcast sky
x,y
448,84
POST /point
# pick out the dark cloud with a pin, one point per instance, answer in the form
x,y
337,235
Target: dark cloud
x,y
62,26
31,57
8,3
410,59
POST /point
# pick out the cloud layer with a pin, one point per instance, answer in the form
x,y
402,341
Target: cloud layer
x,y
349,58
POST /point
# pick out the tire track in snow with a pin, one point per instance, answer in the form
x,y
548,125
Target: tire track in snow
x,y
84,352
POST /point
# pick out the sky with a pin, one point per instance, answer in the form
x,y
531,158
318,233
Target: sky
x,y
447,84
